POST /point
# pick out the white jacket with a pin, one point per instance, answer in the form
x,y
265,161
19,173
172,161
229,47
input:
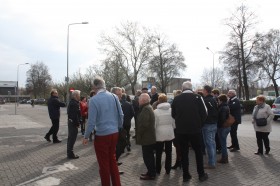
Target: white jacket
x,y
164,122
265,112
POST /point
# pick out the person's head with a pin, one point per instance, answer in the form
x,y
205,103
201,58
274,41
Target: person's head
x,y
138,93
144,90
187,85
153,90
260,99
162,98
98,84
222,98
123,97
231,93
144,99
177,92
206,90
76,95
92,93
215,92
123,90
54,92
83,99
117,91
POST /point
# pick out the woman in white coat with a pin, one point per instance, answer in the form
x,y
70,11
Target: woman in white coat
x,y
262,110
164,133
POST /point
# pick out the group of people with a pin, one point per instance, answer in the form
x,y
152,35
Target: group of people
x,y
191,120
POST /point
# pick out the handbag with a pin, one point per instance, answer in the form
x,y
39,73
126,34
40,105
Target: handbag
x,y
261,122
229,121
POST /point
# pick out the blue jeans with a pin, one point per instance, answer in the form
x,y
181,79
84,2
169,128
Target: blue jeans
x,y
209,132
223,133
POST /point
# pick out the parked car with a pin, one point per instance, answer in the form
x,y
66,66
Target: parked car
x,y
266,98
23,101
28,101
2,101
276,108
40,101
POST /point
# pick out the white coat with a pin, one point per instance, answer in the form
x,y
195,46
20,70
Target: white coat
x,y
265,112
165,124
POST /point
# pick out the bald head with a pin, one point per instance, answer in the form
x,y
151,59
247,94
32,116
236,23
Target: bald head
x,y
144,98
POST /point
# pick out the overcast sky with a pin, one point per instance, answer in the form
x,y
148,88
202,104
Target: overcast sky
x,y
36,30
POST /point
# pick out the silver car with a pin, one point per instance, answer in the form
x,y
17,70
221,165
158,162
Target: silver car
x,y
276,108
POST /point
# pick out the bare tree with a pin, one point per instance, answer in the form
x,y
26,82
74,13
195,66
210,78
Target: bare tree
x,y
206,78
38,80
267,52
167,62
241,23
133,44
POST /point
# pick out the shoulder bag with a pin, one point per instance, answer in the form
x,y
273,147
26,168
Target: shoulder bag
x,y
229,121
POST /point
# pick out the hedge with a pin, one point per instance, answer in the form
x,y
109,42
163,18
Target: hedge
x,y
248,106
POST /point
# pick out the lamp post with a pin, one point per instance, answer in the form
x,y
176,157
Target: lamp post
x,y
213,73
16,90
67,77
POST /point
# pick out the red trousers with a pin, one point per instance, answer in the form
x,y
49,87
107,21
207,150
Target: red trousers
x,y
105,149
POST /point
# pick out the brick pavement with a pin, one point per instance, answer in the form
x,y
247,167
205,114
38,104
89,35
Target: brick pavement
x,y
27,159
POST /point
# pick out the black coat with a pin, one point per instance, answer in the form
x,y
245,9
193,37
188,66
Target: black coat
x,y
189,112
128,112
154,98
74,112
54,107
223,114
235,109
212,109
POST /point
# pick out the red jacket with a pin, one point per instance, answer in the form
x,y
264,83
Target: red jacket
x,y
84,108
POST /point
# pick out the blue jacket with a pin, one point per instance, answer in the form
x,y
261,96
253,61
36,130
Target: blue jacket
x,y
105,114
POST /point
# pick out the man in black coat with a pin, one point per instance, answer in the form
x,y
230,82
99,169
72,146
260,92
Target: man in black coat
x,y
154,95
235,111
189,112
128,112
74,120
54,112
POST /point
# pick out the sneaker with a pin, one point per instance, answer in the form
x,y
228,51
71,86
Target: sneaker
x,y
204,177
47,138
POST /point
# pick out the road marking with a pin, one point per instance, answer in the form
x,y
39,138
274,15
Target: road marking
x,y
49,181
51,170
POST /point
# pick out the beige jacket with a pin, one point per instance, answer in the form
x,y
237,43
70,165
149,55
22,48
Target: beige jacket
x,y
265,112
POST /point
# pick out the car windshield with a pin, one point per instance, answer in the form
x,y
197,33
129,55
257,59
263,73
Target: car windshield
x,y
277,100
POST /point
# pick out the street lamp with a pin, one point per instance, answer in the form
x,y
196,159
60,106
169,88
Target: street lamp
x,y
16,98
67,77
213,73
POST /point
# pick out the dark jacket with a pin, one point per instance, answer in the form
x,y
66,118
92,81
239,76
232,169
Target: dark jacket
x,y
235,109
127,111
154,98
74,112
212,109
145,128
223,114
189,112
54,107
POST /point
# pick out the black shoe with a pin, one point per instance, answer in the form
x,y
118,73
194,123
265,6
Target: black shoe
x,y
267,151
147,177
121,172
73,157
144,174
56,141
134,137
128,148
230,147
47,138
186,177
177,164
203,177
119,163
258,153
234,149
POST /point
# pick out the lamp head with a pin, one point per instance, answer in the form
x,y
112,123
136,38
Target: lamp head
x,y
207,48
84,22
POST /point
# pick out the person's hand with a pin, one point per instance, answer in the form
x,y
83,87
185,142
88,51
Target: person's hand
x,y
85,141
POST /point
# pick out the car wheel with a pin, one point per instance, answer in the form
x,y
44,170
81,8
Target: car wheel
x,y
275,118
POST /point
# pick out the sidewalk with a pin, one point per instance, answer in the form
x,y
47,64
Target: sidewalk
x,y
27,159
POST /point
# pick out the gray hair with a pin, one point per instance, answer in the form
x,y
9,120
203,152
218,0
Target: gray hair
x,y
154,87
145,97
187,85
115,89
99,83
75,93
232,91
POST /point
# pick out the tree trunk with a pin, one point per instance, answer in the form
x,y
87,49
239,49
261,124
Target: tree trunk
x,y
275,87
245,79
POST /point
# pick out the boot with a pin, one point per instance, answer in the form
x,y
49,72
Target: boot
x,y
177,164
223,160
